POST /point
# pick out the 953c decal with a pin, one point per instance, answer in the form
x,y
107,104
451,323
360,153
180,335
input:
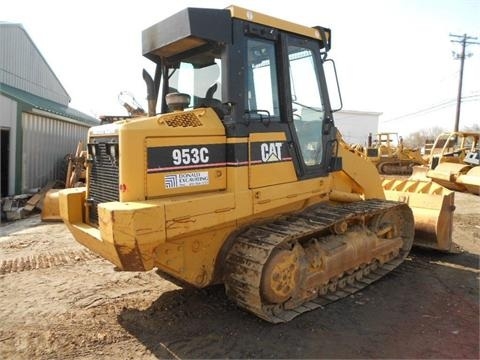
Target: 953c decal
x,y
185,157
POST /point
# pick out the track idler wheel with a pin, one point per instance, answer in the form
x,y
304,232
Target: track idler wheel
x,y
393,224
281,276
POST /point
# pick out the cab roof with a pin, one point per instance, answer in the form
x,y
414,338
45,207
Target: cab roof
x,y
194,27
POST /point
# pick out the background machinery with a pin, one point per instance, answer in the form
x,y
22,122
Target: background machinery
x,y
242,177
75,168
454,162
74,177
390,156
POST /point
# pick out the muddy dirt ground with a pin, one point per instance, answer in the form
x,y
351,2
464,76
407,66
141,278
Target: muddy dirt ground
x,y
59,301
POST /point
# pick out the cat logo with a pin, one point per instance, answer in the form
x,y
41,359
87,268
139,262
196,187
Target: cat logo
x,y
271,151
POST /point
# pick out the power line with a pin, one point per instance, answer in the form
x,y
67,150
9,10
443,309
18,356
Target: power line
x,y
438,106
464,43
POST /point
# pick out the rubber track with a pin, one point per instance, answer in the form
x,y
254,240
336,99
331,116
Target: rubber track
x,y
45,261
253,248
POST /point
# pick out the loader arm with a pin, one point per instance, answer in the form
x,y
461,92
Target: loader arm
x,y
362,174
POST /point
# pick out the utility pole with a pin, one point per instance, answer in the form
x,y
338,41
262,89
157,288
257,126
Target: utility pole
x,y
464,41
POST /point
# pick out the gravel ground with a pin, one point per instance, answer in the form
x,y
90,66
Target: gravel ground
x,y
58,300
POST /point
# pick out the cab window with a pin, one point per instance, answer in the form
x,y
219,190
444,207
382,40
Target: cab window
x,y
307,108
262,86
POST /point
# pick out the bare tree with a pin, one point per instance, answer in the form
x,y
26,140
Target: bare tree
x,y
474,128
420,137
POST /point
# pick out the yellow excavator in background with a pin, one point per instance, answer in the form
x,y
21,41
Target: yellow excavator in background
x,y
390,156
454,162
242,177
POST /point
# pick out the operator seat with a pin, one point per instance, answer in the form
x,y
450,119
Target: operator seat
x,y
210,91
208,101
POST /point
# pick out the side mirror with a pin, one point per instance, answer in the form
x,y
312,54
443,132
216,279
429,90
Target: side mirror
x,y
333,87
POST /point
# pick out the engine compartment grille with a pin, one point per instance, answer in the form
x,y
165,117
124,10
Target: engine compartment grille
x,y
103,175
183,119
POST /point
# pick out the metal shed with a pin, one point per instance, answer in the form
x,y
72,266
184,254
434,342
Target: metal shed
x,y
37,128
356,125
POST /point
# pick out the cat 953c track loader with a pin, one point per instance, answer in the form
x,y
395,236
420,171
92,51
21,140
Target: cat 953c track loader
x,y
242,177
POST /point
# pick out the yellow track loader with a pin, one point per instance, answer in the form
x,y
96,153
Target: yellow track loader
x,y
390,156
242,177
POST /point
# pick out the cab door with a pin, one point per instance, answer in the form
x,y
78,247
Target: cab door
x,y
310,117
270,159
284,109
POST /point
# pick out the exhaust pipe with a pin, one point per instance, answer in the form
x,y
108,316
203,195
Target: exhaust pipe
x,y
151,93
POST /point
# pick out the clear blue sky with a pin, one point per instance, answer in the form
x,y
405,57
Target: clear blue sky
x,y
393,56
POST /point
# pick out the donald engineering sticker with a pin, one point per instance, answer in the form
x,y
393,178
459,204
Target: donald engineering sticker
x,y
186,180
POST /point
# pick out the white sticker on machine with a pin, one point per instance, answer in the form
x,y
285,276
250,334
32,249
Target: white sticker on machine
x,y
186,180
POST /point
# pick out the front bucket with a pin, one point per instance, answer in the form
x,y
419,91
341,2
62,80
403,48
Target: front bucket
x,y
432,207
51,208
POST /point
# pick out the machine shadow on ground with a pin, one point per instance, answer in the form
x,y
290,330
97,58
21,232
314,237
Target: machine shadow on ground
x,y
426,308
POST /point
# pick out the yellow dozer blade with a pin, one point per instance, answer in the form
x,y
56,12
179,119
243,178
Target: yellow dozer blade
x,y
420,173
471,180
446,174
432,207
51,208
458,177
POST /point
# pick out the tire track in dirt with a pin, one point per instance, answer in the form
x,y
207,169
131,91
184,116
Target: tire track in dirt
x,y
45,261
69,339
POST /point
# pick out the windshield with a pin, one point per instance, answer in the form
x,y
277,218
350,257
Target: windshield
x,y
198,76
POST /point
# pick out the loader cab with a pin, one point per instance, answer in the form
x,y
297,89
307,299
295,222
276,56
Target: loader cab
x,y
260,76
283,92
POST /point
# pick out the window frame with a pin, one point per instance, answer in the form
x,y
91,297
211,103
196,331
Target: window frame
x,y
275,84
326,137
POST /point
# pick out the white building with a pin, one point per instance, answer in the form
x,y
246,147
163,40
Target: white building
x,y
37,128
356,125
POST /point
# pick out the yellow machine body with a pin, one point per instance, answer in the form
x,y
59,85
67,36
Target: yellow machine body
x,y
183,231
257,190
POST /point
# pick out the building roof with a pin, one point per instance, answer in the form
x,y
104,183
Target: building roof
x,y
49,106
33,75
360,112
